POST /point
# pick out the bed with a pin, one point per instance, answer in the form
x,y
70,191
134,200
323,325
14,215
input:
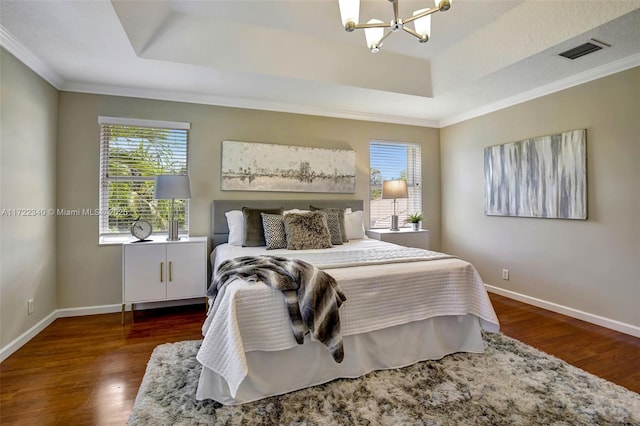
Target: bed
x,y
402,306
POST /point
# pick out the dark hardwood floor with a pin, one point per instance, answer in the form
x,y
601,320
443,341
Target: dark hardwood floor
x,y
606,353
87,370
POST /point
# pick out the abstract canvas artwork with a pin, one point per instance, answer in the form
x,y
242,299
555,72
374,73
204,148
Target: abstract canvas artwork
x,y
539,177
248,166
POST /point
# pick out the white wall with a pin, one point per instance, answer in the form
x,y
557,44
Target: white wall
x,y
28,123
591,266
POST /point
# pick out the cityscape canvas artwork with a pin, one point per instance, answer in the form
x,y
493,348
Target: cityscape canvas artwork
x,y
248,166
542,177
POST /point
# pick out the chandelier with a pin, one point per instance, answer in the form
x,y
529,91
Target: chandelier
x,y
374,29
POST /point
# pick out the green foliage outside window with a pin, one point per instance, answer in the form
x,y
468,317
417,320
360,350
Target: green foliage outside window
x,y
136,155
376,180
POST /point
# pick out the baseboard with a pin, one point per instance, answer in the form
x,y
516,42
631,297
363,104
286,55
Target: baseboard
x,y
21,340
168,304
570,312
89,310
109,309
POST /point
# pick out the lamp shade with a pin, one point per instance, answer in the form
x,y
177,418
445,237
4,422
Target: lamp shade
x,y
394,189
422,25
349,11
373,35
172,186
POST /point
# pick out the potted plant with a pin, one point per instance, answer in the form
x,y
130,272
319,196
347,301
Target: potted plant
x,y
415,219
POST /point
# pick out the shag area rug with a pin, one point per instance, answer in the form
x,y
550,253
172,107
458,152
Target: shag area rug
x,y
509,384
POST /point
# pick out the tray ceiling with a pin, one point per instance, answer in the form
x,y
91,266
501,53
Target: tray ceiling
x,y
295,56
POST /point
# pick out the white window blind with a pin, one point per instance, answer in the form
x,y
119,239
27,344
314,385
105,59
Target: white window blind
x,y
392,161
132,153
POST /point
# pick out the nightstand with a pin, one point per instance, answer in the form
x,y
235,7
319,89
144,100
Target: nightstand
x,y
405,237
161,270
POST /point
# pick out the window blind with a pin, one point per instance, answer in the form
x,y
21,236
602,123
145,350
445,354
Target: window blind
x,y
132,153
393,161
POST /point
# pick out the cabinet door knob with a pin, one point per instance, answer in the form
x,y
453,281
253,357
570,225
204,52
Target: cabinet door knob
x,y
170,271
161,272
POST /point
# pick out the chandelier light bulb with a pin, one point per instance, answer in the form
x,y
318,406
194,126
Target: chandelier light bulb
x,y
374,35
422,25
349,12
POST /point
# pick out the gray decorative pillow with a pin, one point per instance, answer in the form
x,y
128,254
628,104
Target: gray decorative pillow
x,y
333,223
274,234
307,231
253,230
341,221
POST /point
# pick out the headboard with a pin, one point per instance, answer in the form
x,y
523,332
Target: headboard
x,y
220,231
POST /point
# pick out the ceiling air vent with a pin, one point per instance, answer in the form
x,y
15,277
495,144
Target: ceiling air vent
x,y
584,49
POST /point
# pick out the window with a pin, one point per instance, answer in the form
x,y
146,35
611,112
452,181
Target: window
x,y
392,161
132,153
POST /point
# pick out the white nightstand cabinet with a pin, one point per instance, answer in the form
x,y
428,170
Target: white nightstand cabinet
x,y
162,270
404,237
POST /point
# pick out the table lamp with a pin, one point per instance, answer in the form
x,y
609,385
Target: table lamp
x,y
172,187
394,189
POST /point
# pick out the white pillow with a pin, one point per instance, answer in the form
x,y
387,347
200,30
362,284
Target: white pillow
x,y
235,222
295,211
354,225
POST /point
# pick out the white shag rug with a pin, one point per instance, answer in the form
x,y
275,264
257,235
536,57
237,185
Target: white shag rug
x,y
509,384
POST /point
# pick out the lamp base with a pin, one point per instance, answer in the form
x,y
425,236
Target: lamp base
x,y
394,223
173,231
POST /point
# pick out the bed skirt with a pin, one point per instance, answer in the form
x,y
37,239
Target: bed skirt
x,y
310,364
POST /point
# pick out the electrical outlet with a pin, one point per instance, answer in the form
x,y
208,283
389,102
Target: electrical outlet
x,y
505,274
30,306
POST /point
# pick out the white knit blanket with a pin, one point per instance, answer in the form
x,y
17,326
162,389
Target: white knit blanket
x,y
331,259
252,317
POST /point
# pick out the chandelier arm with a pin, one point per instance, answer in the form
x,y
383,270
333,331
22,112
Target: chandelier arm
x,y
413,33
421,15
383,37
375,25
395,10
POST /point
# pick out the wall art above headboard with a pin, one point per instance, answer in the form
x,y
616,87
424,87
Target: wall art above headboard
x,y
248,166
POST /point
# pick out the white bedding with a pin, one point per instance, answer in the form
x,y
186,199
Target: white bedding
x,y
248,317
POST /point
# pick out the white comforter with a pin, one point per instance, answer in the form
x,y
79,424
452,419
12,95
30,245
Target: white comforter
x,y
252,317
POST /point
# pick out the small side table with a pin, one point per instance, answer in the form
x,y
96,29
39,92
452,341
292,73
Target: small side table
x,y
404,237
161,270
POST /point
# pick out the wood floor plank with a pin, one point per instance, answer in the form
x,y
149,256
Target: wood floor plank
x,y
606,353
87,370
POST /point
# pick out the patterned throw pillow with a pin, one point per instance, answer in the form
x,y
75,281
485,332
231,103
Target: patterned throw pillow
x,y
274,234
307,231
333,223
343,231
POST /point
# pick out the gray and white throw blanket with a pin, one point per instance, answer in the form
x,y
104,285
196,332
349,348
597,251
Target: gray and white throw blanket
x,y
312,296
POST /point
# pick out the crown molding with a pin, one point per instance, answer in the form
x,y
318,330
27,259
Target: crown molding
x,y
13,46
248,103
32,61
547,89
24,55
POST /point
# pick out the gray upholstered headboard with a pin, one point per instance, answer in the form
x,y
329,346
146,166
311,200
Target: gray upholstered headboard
x,y
220,231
